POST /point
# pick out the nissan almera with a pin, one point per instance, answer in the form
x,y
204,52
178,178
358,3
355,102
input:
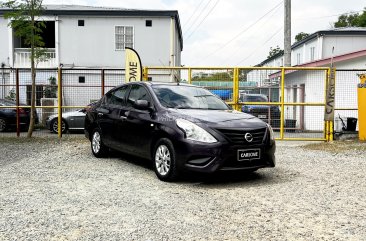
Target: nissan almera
x,y
179,127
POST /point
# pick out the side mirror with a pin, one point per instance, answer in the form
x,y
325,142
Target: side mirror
x,y
141,105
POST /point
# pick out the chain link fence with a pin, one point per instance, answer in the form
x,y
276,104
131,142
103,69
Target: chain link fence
x,y
291,100
80,88
346,105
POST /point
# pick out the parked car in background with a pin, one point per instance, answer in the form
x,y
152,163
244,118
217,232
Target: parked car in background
x,y
179,127
73,120
269,114
8,116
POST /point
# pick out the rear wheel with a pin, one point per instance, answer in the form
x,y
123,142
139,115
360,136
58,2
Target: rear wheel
x,y
97,146
2,124
54,126
165,164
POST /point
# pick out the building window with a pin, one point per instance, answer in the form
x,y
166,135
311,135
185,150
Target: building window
x,y
298,58
123,37
81,79
39,94
148,23
81,23
312,53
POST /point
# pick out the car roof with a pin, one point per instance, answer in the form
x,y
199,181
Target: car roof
x,y
156,83
254,94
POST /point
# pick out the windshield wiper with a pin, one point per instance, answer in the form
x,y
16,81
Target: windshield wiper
x,y
183,107
202,95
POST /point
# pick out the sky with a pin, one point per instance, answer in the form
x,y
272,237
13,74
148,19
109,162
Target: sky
x,y
236,32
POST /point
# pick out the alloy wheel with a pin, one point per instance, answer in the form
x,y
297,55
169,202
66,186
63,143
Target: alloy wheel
x,y
162,160
96,142
55,126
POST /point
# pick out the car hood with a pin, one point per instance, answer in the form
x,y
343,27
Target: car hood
x,y
219,118
68,114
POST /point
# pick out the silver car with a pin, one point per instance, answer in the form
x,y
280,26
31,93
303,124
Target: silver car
x,y
73,120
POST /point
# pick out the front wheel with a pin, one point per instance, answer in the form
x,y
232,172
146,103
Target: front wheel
x,y
165,164
54,126
97,146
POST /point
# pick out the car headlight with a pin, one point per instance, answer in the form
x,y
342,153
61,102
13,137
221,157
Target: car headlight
x,y
271,134
194,132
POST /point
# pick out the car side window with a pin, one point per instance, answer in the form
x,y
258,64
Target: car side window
x,y
117,97
138,92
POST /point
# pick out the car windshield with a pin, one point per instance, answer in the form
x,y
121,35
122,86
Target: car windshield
x,y
188,97
254,98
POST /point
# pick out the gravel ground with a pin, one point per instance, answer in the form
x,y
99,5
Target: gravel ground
x,y
51,190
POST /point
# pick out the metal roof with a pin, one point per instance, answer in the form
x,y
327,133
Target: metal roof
x,y
336,31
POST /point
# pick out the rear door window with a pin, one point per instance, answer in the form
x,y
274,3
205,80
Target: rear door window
x,y
117,98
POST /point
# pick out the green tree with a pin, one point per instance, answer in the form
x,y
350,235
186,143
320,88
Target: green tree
x,y
51,90
351,20
274,51
23,20
300,36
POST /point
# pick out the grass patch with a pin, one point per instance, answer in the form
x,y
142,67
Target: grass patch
x,y
44,139
338,146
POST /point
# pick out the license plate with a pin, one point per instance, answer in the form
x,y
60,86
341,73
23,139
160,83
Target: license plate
x,y
262,116
249,154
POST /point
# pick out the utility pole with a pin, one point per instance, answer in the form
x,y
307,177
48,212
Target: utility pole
x,y
287,33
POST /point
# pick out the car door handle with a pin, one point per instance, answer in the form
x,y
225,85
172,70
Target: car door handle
x,y
100,114
123,117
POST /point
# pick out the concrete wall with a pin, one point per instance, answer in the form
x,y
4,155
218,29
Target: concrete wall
x,y
93,45
342,45
4,41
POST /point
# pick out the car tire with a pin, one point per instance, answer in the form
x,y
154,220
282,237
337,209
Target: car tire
x,y
164,159
54,126
98,148
2,125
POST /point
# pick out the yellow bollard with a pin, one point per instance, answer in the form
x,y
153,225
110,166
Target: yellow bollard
x,y
361,90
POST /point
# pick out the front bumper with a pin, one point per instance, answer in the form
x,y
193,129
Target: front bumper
x,y
208,158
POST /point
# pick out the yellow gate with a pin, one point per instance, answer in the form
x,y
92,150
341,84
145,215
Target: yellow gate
x,y
291,99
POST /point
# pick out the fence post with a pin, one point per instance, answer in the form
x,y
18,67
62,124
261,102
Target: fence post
x,y
145,75
189,75
59,121
17,99
103,82
236,88
282,121
331,123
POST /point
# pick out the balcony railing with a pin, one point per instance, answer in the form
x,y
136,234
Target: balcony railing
x,y
22,58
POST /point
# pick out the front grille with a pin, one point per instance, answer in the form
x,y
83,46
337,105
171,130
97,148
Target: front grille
x,y
236,136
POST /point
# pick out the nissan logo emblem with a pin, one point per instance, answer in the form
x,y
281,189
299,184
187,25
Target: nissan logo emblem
x,y
248,137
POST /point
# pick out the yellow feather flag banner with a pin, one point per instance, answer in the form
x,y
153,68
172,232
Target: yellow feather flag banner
x,y
133,70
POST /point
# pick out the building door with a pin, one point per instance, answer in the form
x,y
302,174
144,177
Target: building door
x,y
39,94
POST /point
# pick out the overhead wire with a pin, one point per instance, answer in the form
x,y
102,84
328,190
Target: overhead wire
x,y
329,16
241,32
197,17
193,13
255,50
197,26
236,51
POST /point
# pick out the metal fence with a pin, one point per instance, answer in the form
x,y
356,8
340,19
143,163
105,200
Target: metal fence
x,y
78,89
299,115
292,100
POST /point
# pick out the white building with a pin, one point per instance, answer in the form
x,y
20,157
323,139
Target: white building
x,y
82,37
346,48
79,36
